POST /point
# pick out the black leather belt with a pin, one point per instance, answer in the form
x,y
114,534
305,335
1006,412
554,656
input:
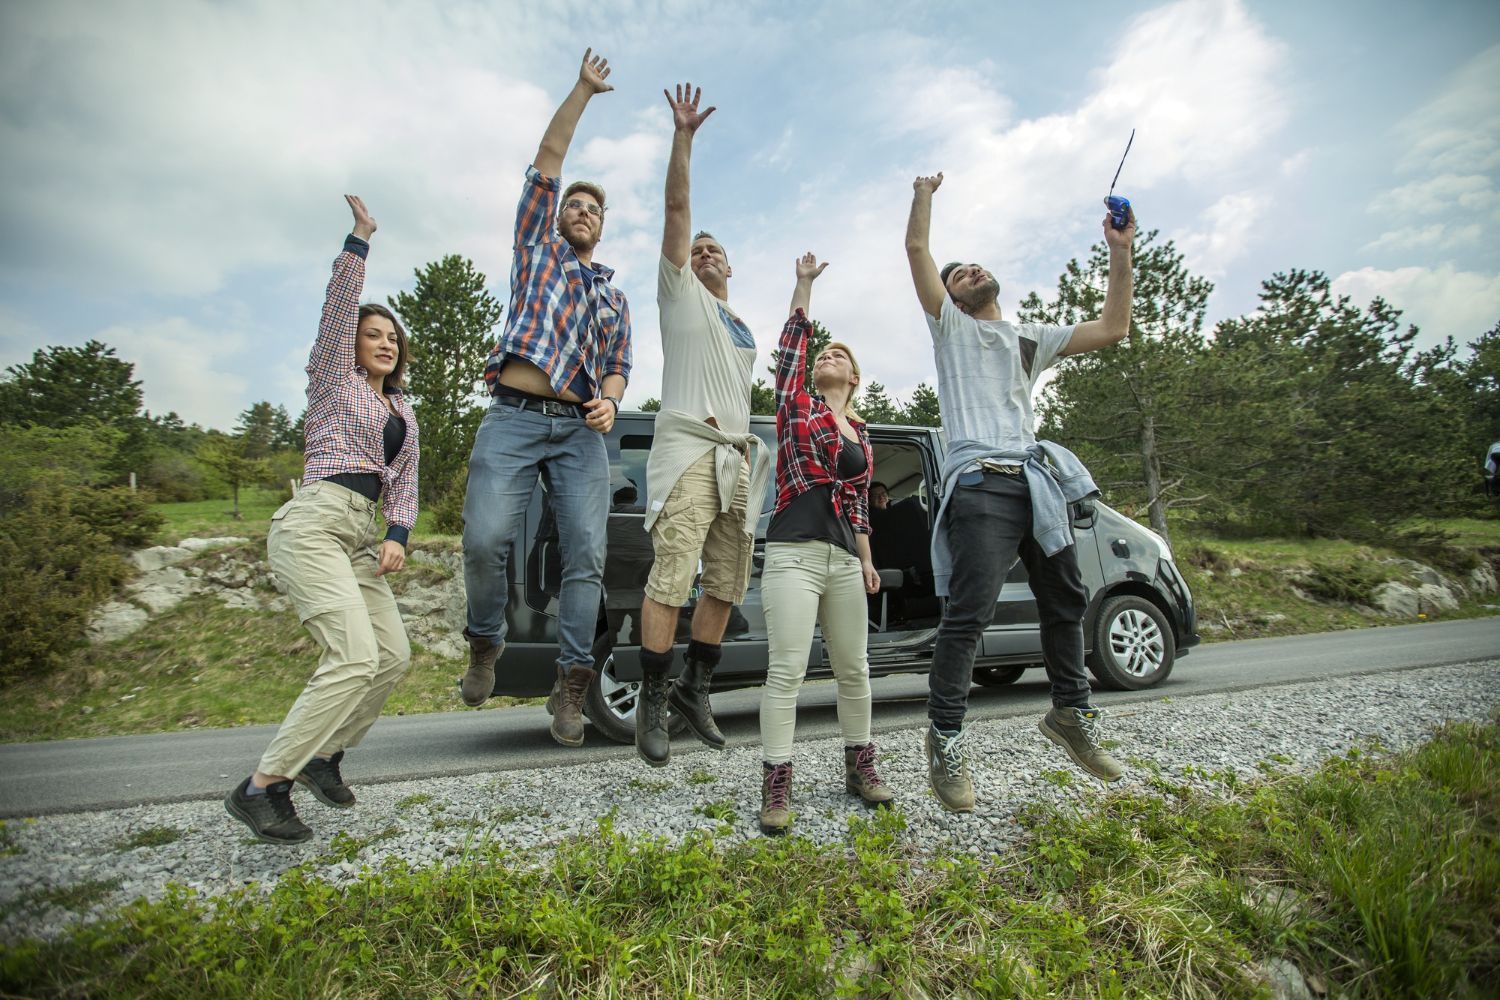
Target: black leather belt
x,y
541,404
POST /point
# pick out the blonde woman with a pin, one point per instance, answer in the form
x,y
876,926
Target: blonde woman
x,y
818,567
361,461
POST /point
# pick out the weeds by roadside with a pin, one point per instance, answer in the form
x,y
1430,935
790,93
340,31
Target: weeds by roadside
x,y
1376,876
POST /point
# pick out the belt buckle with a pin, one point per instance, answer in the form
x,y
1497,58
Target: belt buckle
x,y
553,408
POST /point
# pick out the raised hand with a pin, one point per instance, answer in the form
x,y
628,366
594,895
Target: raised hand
x,y
593,72
1120,239
685,116
928,184
364,222
808,267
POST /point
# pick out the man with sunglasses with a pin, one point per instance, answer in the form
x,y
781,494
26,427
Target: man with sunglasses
x,y
556,377
699,478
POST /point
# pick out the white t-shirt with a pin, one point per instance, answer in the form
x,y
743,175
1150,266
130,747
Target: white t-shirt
x,y
986,370
708,354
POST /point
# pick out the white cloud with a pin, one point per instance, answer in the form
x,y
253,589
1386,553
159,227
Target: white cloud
x,y
1442,302
1228,227
198,372
1436,236
1471,192
1458,132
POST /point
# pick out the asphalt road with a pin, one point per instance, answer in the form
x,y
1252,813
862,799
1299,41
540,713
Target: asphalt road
x,y
114,772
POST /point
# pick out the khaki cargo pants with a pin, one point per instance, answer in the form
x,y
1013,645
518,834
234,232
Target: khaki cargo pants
x,y
322,547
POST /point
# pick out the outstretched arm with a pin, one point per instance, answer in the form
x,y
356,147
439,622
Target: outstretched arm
x,y
808,270
559,134
333,350
924,271
1114,326
677,234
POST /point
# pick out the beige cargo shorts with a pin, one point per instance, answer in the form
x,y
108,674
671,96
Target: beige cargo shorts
x,y
691,527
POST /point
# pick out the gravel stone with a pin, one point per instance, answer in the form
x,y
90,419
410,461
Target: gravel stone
x,y
1190,741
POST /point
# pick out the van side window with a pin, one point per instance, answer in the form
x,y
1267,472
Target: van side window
x,y
627,474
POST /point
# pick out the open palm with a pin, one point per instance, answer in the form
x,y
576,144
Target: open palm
x,y
685,114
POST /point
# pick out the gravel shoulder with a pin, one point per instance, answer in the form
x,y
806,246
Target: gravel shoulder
x,y
1196,741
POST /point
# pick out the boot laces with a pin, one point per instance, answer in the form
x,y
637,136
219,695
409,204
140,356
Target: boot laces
x,y
779,784
1090,723
952,749
575,686
280,800
864,763
332,767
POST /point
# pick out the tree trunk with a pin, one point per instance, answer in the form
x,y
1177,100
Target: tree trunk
x,y
1151,469
236,489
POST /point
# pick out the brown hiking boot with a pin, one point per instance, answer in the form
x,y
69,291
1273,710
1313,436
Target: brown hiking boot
x,y
479,681
948,770
1077,731
860,777
776,798
567,720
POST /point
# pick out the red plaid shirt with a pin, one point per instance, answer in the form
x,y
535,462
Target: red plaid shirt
x,y
557,320
345,424
808,438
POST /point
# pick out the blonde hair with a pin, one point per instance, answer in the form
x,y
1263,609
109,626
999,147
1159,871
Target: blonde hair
x,y
849,410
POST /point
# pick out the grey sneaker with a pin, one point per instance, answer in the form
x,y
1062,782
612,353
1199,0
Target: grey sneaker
x,y
1077,730
322,778
479,682
948,770
271,817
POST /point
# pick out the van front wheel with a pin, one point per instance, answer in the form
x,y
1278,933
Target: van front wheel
x,y
1133,644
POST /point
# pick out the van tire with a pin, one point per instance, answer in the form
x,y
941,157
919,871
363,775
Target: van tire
x,y
1134,647
994,677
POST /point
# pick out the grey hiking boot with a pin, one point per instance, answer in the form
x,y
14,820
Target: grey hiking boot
x,y
775,798
1077,730
322,778
270,816
479,682
948,770
567,720
860,777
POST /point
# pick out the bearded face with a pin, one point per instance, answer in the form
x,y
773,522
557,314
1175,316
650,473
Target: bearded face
x,y
973,288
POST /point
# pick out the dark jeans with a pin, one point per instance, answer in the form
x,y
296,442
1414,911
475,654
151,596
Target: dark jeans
x,y
988,525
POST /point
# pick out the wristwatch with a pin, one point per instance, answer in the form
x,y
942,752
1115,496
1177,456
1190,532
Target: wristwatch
x,y
616,401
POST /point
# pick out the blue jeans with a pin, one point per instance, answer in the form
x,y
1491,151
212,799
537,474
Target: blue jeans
x,y
512,447
988,525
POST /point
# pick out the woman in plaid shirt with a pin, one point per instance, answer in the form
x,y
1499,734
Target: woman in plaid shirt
x,y
818,567
361,461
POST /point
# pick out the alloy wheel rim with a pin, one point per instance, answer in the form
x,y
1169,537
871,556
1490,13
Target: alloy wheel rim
x,y
1137,643
619,696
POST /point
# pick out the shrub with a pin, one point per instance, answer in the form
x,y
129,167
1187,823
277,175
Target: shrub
x,y
55,568
176,477
448,508
119,514
1351,583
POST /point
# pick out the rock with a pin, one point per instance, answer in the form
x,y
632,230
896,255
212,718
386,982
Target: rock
x,y
163,589
1437,596
1284,979
1397,599
1482,580
1235,571
115,620
158,556
199,544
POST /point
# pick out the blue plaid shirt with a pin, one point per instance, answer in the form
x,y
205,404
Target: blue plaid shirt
x,y
558,320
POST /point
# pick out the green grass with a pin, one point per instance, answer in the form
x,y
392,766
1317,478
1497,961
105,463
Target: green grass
x,y
214,518
200,665
155,836
1377,876
1248,588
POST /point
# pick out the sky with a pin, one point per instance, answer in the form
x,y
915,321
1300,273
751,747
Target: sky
x,y
172,173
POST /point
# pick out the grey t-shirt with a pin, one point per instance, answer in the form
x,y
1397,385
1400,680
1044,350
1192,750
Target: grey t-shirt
x,y
986,370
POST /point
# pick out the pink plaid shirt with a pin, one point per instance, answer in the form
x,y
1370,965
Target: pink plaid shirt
x,y
345,423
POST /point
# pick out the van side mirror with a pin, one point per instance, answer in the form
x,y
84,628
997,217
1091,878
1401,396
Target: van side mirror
x,y
1084,513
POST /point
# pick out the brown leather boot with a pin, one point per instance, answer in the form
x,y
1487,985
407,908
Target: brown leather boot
x,y
860,777
567,721
479,682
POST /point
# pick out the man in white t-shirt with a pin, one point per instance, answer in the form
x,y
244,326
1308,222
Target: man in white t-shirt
x,y
698,479
999,500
